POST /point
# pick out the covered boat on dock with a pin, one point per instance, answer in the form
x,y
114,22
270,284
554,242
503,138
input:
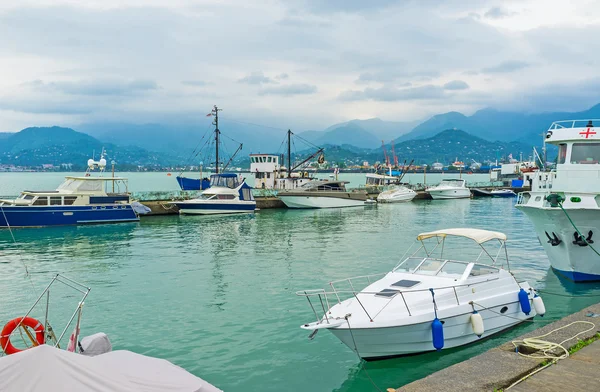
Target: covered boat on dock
x,y
323,194
429,301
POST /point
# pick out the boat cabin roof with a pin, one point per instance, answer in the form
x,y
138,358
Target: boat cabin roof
x,y
96,178
478,235
226,175
573,130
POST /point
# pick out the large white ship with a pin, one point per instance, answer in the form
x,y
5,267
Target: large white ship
x,y
564,204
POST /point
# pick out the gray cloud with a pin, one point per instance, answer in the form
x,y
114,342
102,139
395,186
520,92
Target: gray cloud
x,y
256,78
498,13
195,83
282,76
289,90
95,87
506,66
394,74
391,94
456,85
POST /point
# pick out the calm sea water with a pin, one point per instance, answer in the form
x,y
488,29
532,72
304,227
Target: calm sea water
x,y
216,294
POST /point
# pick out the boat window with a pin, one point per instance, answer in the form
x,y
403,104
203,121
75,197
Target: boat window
x,y
406,283
562,153
585,153
225,197
479,270
251,159
388,293
247,194
452,268
28,197
41,201
69,200
55,200
430,267
268,175
410,264
269,159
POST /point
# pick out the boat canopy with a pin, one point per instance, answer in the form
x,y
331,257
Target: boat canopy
x,y
477,235
228,180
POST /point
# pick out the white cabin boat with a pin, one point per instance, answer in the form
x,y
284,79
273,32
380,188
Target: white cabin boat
x,y
323,194
450,189
269,173
564,204
226,195
396,194
427,302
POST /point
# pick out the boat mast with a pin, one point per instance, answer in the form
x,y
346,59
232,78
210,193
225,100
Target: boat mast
x,y
289,134
216,111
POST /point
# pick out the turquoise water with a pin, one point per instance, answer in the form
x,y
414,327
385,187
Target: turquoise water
x,y
216,294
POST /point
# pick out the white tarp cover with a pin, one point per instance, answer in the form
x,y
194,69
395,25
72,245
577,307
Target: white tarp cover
x,y
45,368
477,235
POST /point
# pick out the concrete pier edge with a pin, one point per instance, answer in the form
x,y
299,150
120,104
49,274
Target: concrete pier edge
x,y
501,366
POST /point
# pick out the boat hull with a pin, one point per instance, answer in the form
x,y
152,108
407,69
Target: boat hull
x,y
381,343
320,201
212,208
38,216
578,263
450,194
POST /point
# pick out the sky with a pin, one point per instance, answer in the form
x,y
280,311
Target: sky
x,y
304,64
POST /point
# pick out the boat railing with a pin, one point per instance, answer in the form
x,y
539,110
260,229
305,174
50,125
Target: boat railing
x,y
573,124
327,297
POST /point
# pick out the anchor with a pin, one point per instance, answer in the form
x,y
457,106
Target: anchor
x,y
554,240
579,239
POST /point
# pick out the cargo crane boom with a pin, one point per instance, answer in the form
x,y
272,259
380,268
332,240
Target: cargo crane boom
x,y
387,158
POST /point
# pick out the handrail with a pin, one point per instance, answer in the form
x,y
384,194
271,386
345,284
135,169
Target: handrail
x,y
558,124
304,293
322,292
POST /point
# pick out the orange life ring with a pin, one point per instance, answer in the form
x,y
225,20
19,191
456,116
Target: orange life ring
x,y
14,324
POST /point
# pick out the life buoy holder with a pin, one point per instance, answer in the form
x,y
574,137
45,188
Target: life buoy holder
x,y
14,324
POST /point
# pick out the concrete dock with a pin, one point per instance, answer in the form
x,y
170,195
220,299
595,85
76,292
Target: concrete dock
x,y
500,367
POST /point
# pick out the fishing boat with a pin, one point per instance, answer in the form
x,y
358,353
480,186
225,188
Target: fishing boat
x,y
78,200
201,183
396,194
503,193
450,189
226,195
429,301
323,194
270,173
34,360
563,204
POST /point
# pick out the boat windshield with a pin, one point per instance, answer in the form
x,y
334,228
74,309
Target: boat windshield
x,y
73,185
224,180
585,153
452,182
324,186
441,267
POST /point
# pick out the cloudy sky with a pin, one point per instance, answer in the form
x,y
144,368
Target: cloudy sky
x,y
303,64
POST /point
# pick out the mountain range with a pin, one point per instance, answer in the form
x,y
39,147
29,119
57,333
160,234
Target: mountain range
x,y
177,144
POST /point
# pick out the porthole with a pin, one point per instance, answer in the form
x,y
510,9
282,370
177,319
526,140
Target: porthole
x,y
504,309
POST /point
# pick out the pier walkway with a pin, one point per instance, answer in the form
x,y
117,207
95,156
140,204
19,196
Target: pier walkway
x,y
500,367
577,373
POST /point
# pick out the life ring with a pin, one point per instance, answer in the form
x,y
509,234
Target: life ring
x,y
14,324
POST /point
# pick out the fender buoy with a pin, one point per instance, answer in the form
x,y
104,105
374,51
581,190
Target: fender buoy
x,y
14,324
524,301
437,334
477,323
538,305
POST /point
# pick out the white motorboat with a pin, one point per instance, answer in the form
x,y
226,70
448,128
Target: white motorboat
x,y
396,194
563,204
226,195
323,194
450,189
429,301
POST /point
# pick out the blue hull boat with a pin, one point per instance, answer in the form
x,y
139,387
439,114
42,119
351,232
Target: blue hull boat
x,y
77,201
37,216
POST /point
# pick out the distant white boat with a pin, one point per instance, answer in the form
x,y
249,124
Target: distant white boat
x,y
450,189
323,194
396,194
226,195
